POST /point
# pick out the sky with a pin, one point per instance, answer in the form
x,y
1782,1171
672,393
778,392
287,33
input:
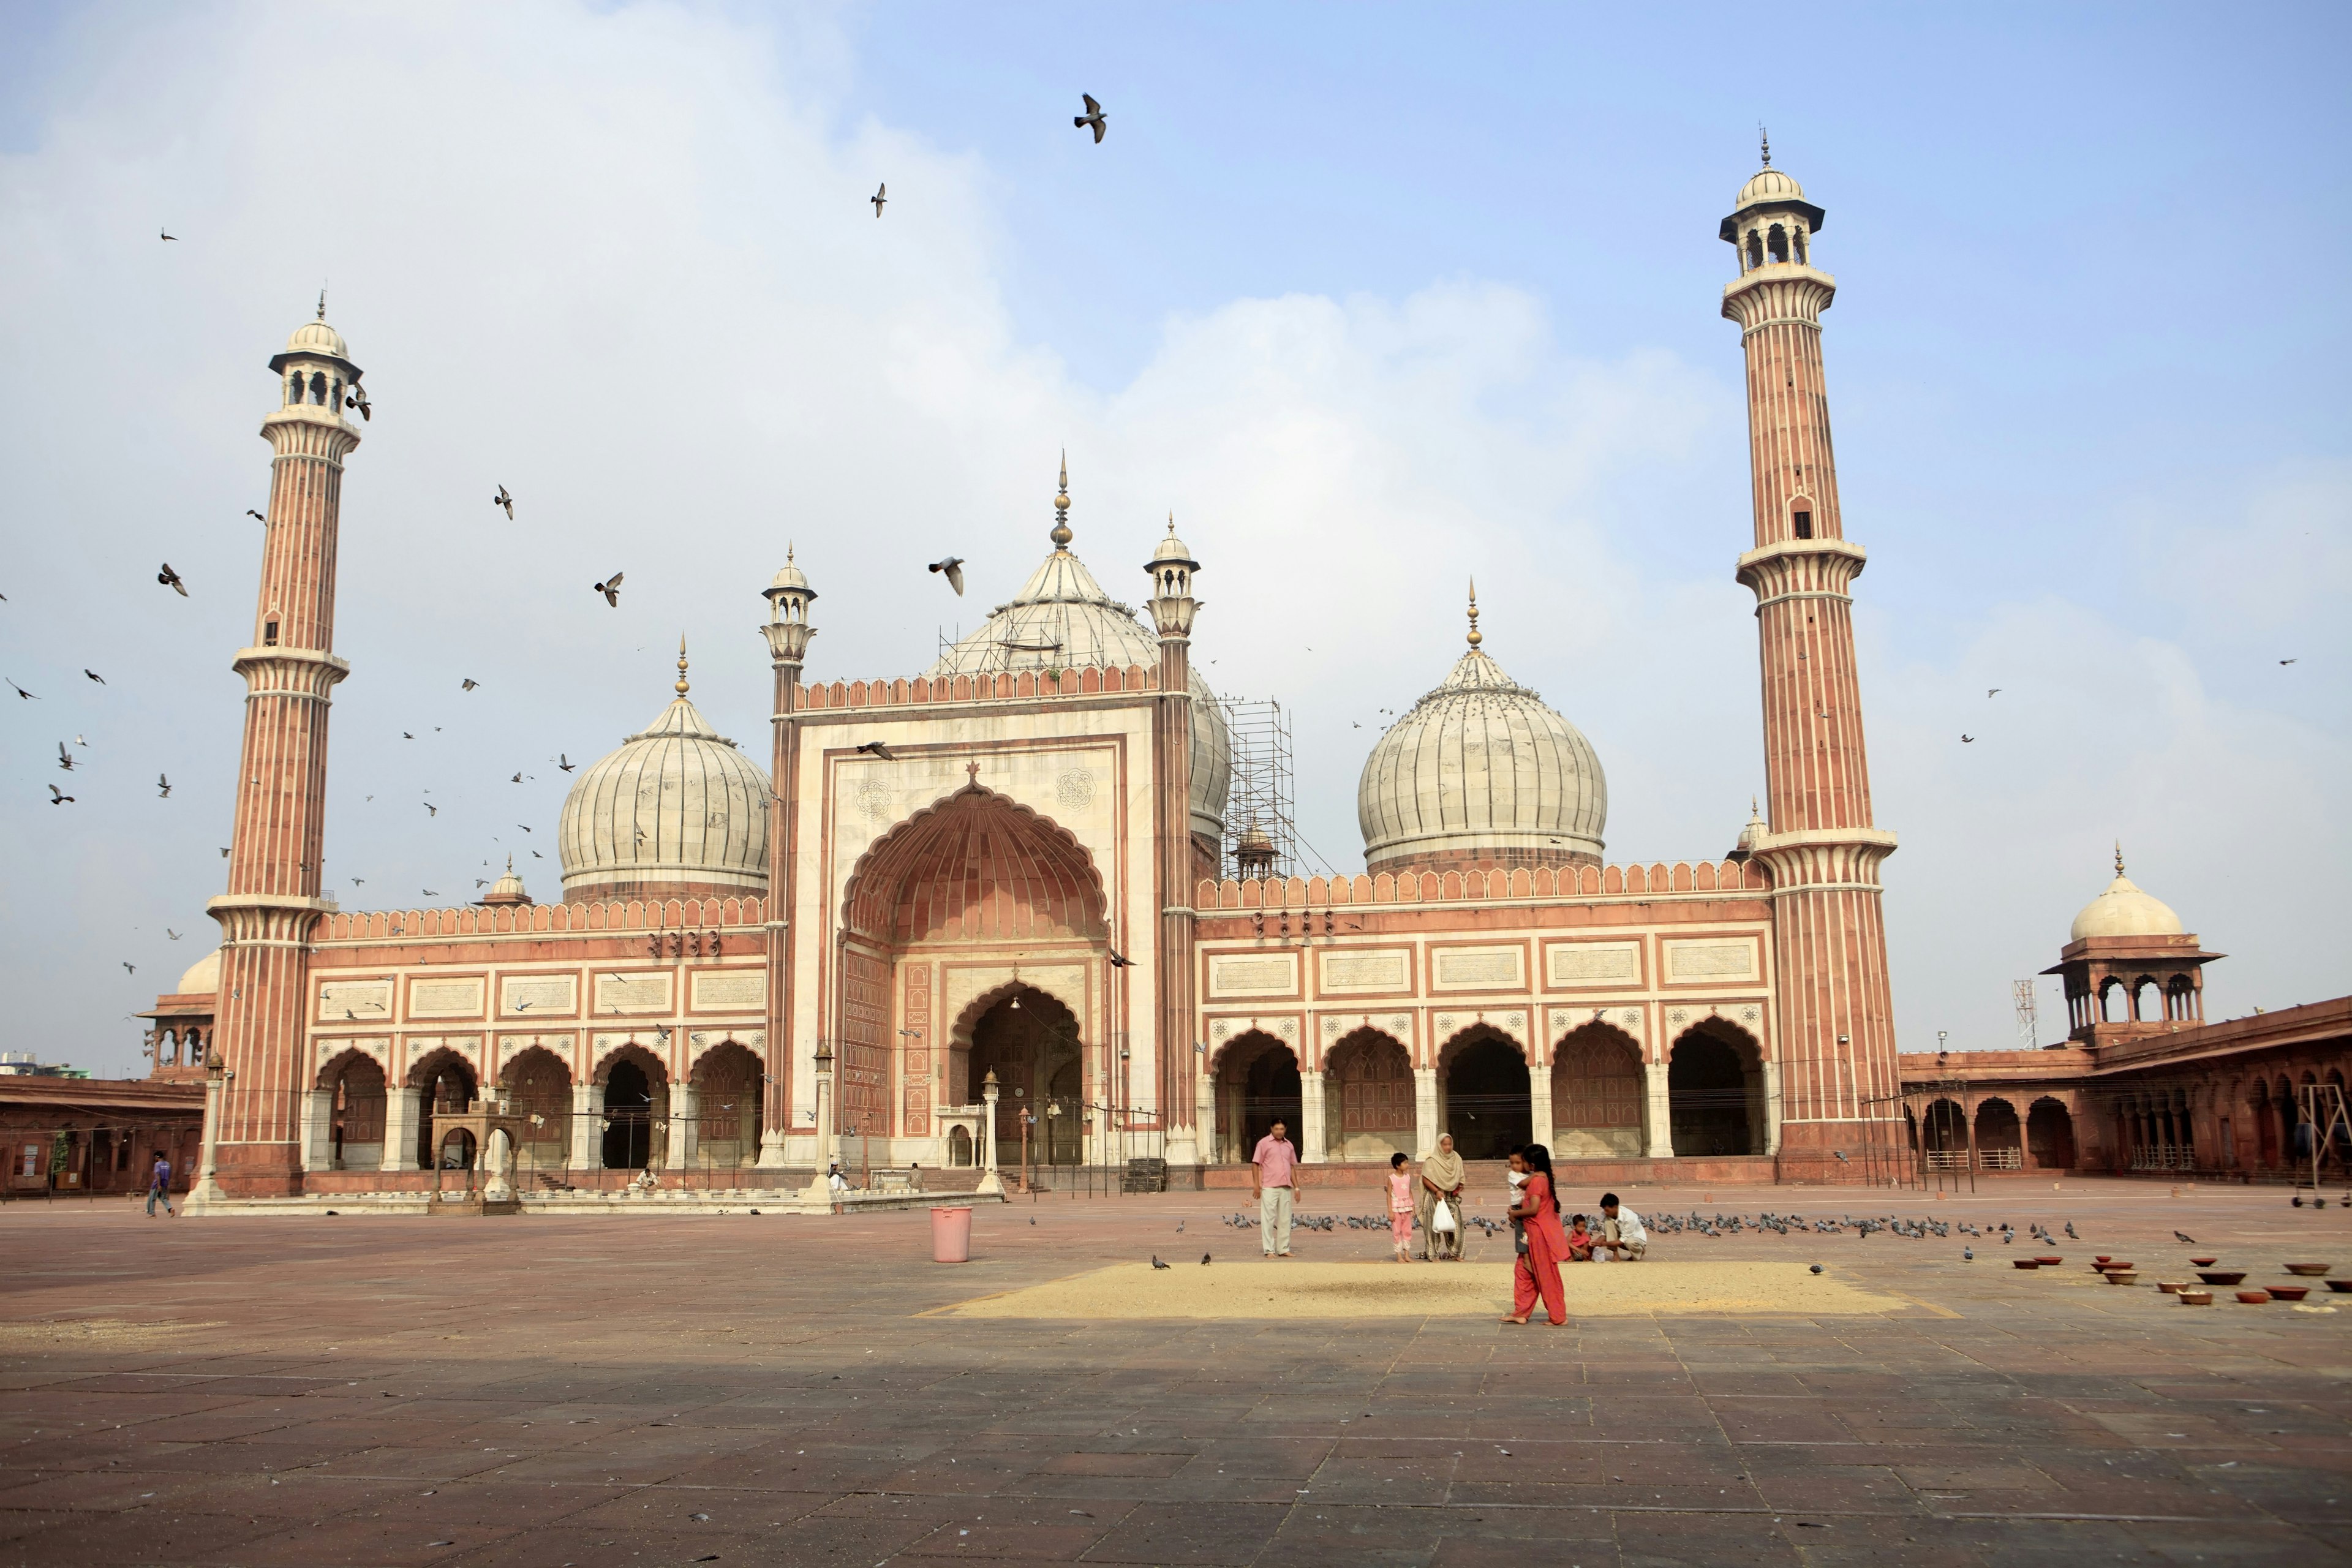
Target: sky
x,y
1373,299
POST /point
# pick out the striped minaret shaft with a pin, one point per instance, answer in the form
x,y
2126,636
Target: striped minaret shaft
x,y
277,840
1173,608
788,633
1835,1039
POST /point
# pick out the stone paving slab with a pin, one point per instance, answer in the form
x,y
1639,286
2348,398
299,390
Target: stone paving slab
x,y
786,1389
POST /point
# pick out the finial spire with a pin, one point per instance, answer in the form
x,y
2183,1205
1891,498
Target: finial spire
x,y
1474,638
2119,857
1765,137
1061,534
510,862
681,664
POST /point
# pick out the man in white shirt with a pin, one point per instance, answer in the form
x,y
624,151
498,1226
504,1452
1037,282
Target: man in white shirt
x,y
1623,1239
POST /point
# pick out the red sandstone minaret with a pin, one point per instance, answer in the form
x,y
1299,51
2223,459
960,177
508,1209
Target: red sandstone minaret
x,y
788,633
278,835
1835,1045
1172,607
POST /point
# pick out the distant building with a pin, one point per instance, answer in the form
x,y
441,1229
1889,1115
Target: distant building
x,y
25,1063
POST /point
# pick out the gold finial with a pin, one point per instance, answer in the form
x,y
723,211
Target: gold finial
x,y
2119,857
1061,534
787,551
681,664
322,301
1171,525
1474,638
510,862
1765,137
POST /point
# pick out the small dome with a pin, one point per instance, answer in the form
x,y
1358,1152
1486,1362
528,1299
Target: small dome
x,y
2123,910
1172,548
677,808
509,888
317,338
203,978
1480,769
788,575
1769,185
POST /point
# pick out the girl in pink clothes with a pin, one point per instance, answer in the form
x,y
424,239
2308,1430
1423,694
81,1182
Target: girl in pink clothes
x,y
1401,1208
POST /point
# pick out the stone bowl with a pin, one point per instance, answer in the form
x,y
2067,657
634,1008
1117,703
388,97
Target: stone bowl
x,y
2204,1262
2309,1271
2290,1292
2254,1298
2170,1286
2104,1267
2035,1263
2122,1276
2050,1262
2195,1297
2101,1258
2222,1276
2341,1287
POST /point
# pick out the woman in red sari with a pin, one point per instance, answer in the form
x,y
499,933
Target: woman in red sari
x,y
1538,1211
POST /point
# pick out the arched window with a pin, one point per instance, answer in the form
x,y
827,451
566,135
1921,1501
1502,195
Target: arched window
x,y
2115,1003
1801,517
294,387
1755,250
335,400
1778,243
269,632
318,387
1799,236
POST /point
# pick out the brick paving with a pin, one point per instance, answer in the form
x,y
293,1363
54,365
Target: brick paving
x,y
616,1392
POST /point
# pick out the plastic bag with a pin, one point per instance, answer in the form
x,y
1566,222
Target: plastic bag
x,y
1441,1219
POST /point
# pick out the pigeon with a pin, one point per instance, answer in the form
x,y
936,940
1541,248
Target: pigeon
x,y
1120,960
953,567
1817,1268
2069,1232
1967,1255
431,809
524,826
22,692
357,399
876,748
1841,1155
64,758
1155,1257
57,797
468,684
95,676
1204,1261
162,787
517,779
132,968
2187,1240
429,893
171,579
1967,740
1180,1227
611,588
566,763
881,194
2285,661
1094,116
1992,692
506,500
257,517
165,234
224,852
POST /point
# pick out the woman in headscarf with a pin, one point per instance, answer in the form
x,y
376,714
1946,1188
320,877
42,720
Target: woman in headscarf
x,y
1538,1272
1442,1176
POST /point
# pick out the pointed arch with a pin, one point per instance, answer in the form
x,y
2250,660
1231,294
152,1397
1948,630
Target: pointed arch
x,y
1597,1090
1369,1086
975,866
1257,1084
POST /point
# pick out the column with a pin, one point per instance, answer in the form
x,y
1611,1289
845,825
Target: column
x,y
990,1183
401,1108
318,1131
1658,1108
1539,1118
587,1153
1771,1072
1313,1112
685,1126
1425,1128
1204,1111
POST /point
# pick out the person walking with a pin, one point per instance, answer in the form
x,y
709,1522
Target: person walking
x,y
1273,1168
159,1186
1400,1207
1442,1177
1538,1272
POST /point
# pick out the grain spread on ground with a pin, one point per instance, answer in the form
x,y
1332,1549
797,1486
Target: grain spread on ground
x,y
1244,1289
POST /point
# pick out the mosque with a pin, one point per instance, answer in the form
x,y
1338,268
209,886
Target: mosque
x,y
974,919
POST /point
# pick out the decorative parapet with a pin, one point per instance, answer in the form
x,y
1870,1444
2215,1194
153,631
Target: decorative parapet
x,y
1453,887
1001,686
540,919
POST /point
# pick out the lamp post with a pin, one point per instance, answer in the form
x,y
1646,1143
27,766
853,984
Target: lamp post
x,y
820,1188
990,1183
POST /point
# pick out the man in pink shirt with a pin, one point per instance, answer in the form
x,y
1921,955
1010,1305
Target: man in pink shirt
x,y
1273,1169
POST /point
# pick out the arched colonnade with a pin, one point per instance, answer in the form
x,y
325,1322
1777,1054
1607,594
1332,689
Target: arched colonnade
x,y
1587,1094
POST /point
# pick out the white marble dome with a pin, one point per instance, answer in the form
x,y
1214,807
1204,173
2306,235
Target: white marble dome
x,y
2123,910
203,977
1769,185
317,338
1062,619
678,807
1481,770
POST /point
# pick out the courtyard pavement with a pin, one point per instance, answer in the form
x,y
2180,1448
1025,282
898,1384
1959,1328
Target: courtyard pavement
x,y
639,1391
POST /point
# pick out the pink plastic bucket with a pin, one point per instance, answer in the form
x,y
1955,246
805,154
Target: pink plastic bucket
x,y
950,1236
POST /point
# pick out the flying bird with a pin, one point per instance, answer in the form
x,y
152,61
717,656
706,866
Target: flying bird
x,y
517,778
1992,692
170,932
22,692
524,826
469,684
162,787
406,736
167,234
131,968
64,758
80,741
171,579
1094,116
881,194
224,851
57,797
2286,661
257,517
506,500
876,748
358,398
95,676
1120,960
430,893
953,567
566,763
611,588
1967,740
431,809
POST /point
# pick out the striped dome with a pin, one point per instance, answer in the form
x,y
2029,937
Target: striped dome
x,y
677,810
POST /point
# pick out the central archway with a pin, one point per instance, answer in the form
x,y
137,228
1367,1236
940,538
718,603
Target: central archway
x,y
1488,1106
1257,1085
1030,1041
636,1108
1370,1080
1597,1091
1714,1091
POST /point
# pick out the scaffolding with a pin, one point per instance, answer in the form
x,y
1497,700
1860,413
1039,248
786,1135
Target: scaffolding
x,y
1262,834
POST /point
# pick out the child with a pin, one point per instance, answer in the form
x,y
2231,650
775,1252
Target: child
x,y
1580,1240
1401,1208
